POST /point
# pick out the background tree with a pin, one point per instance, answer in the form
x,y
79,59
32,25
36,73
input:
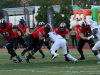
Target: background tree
x,y
84,4
66,10
42,11
57,19
35,2
1,14
11,3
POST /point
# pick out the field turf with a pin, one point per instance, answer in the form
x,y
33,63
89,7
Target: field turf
x,y
46,66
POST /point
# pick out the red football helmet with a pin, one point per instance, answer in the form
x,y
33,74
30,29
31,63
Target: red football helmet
x,y
41,24
62,27
85,25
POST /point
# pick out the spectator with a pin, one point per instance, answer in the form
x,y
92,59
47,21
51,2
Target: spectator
x,y
73,34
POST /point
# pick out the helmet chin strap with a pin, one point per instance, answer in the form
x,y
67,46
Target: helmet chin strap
x,y
22,25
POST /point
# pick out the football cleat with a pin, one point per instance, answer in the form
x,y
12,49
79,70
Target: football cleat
x,y
32,57
66,59
75,61
55,56
82,58
27,59
19,59
11,57
43,56
99,61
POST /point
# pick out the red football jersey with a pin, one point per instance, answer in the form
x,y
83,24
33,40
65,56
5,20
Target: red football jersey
x,y
57,30
41,31
85,32
7,32
36,28
22,28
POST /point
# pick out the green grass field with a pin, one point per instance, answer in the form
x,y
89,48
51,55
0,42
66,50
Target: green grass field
x,y
46,66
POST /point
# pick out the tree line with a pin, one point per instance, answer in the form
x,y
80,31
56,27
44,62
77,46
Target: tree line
x,y
65,9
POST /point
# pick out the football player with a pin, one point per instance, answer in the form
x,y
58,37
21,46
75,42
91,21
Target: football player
x,y
41,24
96,31
84,32
63,31
7,32
34,40
59,42
20,38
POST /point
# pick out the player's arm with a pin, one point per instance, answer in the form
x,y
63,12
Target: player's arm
x,y
40,36
47,38
85,38
82,36
94,31
19,33
16,27
67,36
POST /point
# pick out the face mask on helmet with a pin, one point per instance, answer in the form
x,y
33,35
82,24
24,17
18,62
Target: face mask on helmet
x,y
85,25
3,23
62,27
22,22
41,24
47,28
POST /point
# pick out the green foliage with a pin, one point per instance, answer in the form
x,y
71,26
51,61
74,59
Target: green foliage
x,y
35,2
66,10
1,14
57,19
84,4
42,11
11,3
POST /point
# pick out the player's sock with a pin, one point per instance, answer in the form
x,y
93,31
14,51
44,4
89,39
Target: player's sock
x,y
42,53
98,56
82,56
70,57
52,52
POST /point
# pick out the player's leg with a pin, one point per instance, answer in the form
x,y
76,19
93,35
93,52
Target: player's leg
x,y
73,41
41,43
22,42
54,47
32,41
11,51
36,48
91,44
64,50
79,48
15,47
66,58
95,48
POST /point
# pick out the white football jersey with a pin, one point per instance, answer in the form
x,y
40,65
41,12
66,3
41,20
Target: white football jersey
x,y
54,36
98,31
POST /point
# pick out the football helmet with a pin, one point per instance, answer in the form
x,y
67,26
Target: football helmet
x,y
3,23
47,28
41,24
62,27
85,25
22,21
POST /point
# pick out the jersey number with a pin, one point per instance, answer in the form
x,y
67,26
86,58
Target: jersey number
x,y
5,34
